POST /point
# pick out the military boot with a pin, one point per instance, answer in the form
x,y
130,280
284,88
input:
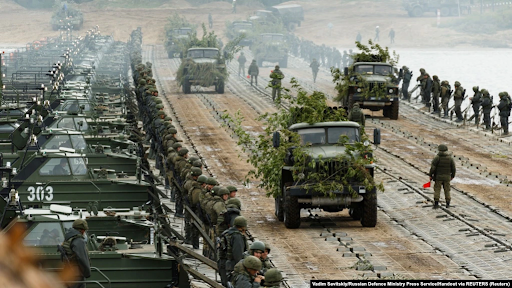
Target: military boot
x,y
447,204
436,205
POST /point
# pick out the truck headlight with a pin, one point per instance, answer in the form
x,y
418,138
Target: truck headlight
x,y
391,91
359,90
366,143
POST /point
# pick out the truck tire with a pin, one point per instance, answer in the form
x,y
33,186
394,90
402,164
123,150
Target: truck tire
x,y
291,212
417,11
284,62
220,87
355,213
385,111
186,87
393,110
369,209
278,210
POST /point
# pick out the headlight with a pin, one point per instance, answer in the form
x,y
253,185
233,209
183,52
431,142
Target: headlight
x,y
359,90
390,91
301,176
366,143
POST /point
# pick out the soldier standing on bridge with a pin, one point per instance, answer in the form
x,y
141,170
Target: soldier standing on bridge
x,y
504,107
486,108
407,81
275,83
356,115
377,32
210,20
314,68
392,36
458,97
254,71
476,100
442,171
241,63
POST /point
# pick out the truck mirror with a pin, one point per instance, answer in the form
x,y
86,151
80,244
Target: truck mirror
x,y
345,71
401,73
276,139
376,136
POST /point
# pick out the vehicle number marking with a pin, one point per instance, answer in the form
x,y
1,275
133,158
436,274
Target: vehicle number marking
x,y
40,193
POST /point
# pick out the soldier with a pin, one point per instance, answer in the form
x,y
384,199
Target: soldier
x,y
241,63
76,250
350,59
256,249
407,81
344,59
423,82
392,36
356,115
233,5
210,20
359,37
458,97
476,101
179,164
436,91
442,171
193,195
314,67
504,107
445,97
276,77
218,207
487,106
246,274
233,208
232,191
377,32
195,172
265,261
273,278
232,247
254,71
337,58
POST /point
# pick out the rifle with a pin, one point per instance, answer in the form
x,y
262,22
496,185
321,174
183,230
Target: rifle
x,y
249,235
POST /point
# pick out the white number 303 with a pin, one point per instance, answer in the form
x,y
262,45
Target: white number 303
x,y
40,193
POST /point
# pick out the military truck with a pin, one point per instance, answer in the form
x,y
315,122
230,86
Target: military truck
x,y
67,18
241,28
262,17
416,8
203,67
270,47
321,144
177,39
290,14
373,85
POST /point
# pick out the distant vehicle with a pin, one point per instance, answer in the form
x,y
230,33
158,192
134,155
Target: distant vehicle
x,y
177,40
262,17
203,67
270,47
67,17
416,8
241,28
290,14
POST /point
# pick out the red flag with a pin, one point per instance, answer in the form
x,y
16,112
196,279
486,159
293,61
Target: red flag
x,y
426,185
248,76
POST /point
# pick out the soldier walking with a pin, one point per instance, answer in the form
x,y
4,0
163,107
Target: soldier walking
x,y
377,32
254,71
407,81
436,91
314,67
356,115
210,20
359,37
232,247
458,96
241,63
76,250
276,77
476,101
392,36
504,107
442,171
445,97
487,108
344,59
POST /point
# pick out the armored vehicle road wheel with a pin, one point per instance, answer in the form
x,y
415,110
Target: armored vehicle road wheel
x,y
369,215
278,210
219,88
393,110
186,87
355,213
284,62
417,11
291,212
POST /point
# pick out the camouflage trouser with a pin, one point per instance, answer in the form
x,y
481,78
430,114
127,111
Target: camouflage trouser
x,y
276,92
436,102
221,264
476,110
487,120
504,124
458,111
405,91
169,175
444,103
437,190
315,73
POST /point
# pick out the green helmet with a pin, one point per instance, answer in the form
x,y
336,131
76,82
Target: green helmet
x,y
158,101
215,190
267,247
273,277
422,70
252,262
457,84
501,94
167,123
197,163
80,224
435,77
221,191
235,203
475,88
240,221
485,92
159,106
168,118
258,246
160,113
176,145
277,67
202,179
212,181
442,147
173,131
183,152
196,171
232,188
142,82
192,159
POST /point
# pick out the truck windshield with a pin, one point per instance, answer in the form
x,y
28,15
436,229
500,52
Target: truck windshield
x,y
272,38
335,134
183,31
312,136
203,54
373,69
243,26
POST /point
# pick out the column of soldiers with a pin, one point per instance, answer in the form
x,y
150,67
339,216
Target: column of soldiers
x,y
436,94
216,207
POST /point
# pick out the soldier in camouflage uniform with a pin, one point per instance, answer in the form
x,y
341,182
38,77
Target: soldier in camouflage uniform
x,y
487,105
442,171
504,107
314,68
254,71
265,261
233,244
225,220
445,97
172,152
476,101
275,83
179,164
458,97
76,250
217,207
356,115
246,274
195,172
436,91
232,191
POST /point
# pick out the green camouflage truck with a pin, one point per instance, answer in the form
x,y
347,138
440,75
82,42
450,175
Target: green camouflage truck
x,y
203,67
270,47
416,8
177,40
321,141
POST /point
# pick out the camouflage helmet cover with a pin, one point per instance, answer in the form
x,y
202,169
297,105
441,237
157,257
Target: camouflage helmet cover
x,y
196,171
202,179
475,88
442,147
240,221
273,277
252,262
197,163
231,188
222,191
183,152
176,145
80,224
457,84
234,202
258,246
212,181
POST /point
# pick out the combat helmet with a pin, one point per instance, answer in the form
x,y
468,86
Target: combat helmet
x,y
475,88
173,131
80,224
231,188
234,203
457,84
202,179
192,159
197,163
183,152
257,246
277,67
221,191
485,92
194,171
267,247
215,189
212,181
422,70
273,277
442,148
251,262
176,145
240,221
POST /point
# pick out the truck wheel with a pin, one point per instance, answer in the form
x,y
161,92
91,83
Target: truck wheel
x,y
369,215
417,11
220,87
291,212
393,112
186,87
385,111
279,209
284,62
355,213
445,11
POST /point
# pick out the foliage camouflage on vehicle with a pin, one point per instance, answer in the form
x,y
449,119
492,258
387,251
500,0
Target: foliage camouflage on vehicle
x,y
177,33
270,47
